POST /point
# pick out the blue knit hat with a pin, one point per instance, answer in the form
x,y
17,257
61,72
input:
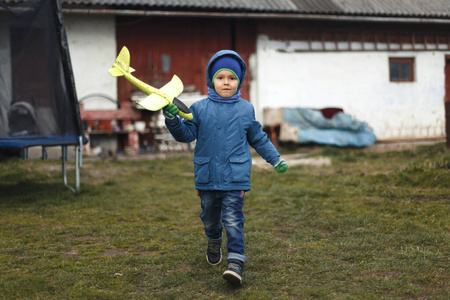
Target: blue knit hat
x,y
228,63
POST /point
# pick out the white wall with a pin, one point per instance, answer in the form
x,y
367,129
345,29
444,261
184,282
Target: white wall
x,y
356,81
92,46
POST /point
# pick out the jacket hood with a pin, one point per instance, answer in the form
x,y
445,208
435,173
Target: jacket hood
x,y
225,53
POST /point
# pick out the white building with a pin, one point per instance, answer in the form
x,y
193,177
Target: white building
x,y
382,62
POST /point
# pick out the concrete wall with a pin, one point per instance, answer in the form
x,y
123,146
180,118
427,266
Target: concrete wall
x,y
92,46
356,81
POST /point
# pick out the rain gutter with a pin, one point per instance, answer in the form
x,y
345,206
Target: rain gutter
x,y
237,15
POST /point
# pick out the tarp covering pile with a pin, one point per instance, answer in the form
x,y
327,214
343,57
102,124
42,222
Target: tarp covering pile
x,y
311,126
38,102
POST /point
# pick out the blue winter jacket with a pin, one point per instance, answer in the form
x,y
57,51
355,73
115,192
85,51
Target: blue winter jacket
x,y
224,128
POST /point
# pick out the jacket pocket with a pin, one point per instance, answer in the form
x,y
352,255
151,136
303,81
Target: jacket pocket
x,y
201,169
240,168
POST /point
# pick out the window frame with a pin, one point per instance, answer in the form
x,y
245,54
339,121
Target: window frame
x,y
400,60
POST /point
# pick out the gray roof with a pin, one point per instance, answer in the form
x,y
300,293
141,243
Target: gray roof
x,y
397,8
196,5
377,8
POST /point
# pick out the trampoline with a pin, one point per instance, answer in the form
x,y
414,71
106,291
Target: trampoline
x,y
38,101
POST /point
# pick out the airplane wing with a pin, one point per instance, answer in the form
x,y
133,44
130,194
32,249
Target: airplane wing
x,y
155,102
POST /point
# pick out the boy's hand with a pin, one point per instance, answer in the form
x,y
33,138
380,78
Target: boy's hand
x,y
170,111
280,165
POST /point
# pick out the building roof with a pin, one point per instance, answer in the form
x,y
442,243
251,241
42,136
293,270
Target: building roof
x,y
194,5
388,8
438,9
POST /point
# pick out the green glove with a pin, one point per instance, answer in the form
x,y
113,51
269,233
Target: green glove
x,y
170,111
280,166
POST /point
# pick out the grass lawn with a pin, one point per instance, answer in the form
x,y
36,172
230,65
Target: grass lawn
x,y
370,226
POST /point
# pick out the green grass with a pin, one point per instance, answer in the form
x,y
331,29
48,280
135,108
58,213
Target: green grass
x,y
370,226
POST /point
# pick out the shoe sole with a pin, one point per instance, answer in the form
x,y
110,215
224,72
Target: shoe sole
x,y
233,278
213,264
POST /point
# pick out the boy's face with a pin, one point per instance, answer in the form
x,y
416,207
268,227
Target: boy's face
x,y
225,83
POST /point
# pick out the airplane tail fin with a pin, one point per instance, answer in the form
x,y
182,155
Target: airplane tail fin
x,y
122,64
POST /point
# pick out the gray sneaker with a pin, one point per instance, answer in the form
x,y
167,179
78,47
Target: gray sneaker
x,y
233,274
214,253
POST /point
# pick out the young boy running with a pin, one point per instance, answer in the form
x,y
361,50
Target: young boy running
x,y
224,126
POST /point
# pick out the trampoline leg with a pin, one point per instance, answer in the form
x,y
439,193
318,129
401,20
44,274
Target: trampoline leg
x,y
78,164
63,162
80,151
78,160
44,153
65,154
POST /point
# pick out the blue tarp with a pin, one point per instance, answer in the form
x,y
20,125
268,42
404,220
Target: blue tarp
x,y
340,130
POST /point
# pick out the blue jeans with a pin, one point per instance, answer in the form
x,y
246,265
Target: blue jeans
x,y
225,207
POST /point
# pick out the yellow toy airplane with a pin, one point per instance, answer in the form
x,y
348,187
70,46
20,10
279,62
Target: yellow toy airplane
x,y
157,98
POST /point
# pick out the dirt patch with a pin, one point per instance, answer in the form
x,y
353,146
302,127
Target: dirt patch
x,y
295,160
401,145
94,174
72,252
115,252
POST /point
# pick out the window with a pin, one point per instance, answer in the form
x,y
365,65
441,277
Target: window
x,y
401,69
165,62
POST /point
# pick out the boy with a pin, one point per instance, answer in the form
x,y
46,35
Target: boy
x,y
224,126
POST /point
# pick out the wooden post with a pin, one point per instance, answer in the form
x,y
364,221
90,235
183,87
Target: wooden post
x,y
447,122
447,99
